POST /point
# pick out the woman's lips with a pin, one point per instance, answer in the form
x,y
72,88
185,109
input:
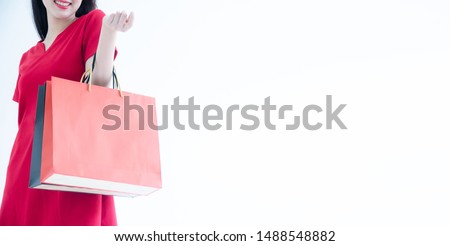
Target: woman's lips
x,y
62,4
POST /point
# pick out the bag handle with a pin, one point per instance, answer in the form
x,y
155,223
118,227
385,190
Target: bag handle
x,y
87,75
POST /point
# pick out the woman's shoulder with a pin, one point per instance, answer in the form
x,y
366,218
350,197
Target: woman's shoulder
x,y
34,50
93,16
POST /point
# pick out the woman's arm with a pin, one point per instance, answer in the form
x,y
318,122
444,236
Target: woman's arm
x,y
112,23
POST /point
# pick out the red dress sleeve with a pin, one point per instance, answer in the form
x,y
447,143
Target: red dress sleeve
x,y
92,34
16,91
16,95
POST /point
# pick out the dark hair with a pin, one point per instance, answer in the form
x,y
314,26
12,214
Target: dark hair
x,y
40,14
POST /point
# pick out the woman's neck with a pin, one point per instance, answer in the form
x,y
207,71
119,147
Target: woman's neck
x,y
56,26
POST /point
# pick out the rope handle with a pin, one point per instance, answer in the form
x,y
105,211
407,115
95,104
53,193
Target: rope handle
x,y
87,77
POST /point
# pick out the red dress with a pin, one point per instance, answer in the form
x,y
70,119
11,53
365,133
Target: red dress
x,y
65,58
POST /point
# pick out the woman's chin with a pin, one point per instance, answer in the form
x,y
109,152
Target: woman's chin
x,y
66,15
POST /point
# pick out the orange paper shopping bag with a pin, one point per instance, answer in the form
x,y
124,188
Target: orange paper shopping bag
x,y
97,141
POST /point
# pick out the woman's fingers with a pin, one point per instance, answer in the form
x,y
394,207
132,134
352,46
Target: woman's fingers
x,y
117,18
129,22
120,21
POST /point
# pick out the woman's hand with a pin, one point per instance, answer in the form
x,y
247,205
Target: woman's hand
x,y
119,21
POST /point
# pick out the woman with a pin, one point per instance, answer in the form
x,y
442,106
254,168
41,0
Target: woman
x,y
72,31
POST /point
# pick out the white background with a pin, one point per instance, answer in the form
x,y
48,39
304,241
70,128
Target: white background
x,y
388,60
